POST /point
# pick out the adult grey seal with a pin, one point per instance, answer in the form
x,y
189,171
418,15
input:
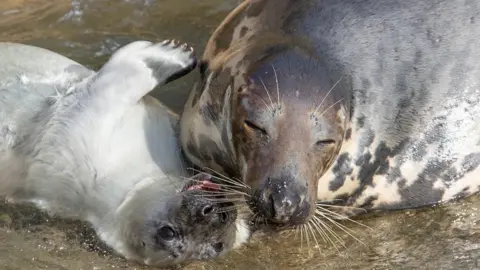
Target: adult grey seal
x,y
366,105
94,146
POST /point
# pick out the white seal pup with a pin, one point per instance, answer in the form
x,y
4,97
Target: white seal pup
x,y
95,147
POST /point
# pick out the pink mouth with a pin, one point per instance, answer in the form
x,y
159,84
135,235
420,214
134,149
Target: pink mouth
x,y
203,185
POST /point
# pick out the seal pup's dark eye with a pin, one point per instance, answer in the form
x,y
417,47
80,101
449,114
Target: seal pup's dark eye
x,y
251,126
324,142
218,247
166,233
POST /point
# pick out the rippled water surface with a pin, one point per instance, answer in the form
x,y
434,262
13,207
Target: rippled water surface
x,y
87,31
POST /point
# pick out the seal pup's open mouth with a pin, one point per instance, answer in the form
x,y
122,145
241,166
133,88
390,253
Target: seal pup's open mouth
x,y
201,181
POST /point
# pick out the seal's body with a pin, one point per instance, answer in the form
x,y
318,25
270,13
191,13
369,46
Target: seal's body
x,y
370,104
95,147
414,138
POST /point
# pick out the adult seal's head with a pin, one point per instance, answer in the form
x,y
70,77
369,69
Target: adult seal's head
x,y
410,137
267,111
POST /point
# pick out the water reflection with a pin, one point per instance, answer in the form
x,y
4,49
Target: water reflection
x,y
88,31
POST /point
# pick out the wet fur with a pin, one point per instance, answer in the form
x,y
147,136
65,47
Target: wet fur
x,y
94,146
409,68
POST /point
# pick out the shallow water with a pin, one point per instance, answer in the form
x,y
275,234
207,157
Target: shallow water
x,y
87,31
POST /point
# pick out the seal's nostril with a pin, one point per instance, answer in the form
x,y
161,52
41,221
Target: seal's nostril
x,y
223,217
207,210
287,202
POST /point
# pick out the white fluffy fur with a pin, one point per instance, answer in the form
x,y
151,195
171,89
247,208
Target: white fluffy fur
x,y
98,143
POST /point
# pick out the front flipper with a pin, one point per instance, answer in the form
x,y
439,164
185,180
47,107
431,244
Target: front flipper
x,y
137,68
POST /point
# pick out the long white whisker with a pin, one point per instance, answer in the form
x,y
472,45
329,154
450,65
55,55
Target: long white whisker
x,y
343,228
319,230
313,234
341,206
276,80
301,237
307,235
266,90
224,179
341,216
331,106
227,179
332,232
328,93
323,225
215,194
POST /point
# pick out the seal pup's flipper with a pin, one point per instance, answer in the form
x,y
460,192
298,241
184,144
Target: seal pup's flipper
x,y
137,68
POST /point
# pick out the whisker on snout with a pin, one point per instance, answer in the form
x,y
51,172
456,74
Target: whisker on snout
x,y
276,80
324,223
222,178
227,209
331,106
225,189
222,200
323,208
328,93
341,227
216,194
268,94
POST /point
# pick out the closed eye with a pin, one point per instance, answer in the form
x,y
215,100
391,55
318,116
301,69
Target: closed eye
x,y
250,125
325,142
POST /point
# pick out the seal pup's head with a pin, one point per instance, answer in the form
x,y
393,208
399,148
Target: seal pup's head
x,y
266,110
195,223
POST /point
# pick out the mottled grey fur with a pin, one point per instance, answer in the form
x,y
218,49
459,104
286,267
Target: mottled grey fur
x,y
413,72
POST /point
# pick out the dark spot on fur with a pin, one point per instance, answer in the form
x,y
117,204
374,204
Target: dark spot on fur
x,y
341,170
369,169
419,151
207,112
361,121
432,136
401,183
450,175
210,148
366,139
348,134
394,174
363,159
192,150
243,31
158,71
462,194
368,204
422,192
471,162
383,168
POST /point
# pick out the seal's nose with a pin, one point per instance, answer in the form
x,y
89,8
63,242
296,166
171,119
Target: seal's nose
x,y
283,201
